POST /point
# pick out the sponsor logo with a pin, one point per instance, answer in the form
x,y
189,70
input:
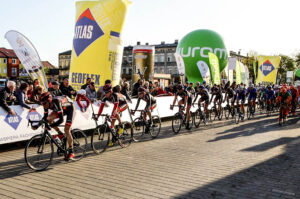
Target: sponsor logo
x,y
86,32
202,51
80,78
34,116
266,68
13,120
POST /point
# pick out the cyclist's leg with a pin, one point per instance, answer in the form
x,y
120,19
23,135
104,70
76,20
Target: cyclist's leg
x,y
51,119
70,118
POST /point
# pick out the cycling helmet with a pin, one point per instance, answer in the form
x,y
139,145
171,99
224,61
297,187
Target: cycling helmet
x,y
251,86
276,87
284,85
179,87
81,92
292,87
204,82
107,88
46,96
201,86
269,87
141,89
240,87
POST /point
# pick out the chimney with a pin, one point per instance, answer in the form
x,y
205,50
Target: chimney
x,y
176,41
163,43
147,44
138,43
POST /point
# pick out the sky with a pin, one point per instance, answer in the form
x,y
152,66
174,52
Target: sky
x,y
269,27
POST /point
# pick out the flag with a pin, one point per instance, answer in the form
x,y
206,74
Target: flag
x,y
28,56
267,68
215,69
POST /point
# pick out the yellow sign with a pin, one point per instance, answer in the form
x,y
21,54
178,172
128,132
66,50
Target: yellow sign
x,y
267,69
97,47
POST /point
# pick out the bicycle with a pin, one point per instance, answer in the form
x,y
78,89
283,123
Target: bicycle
x,y
238,116
282,114
199,116
39,149
215,113
179,119
270,107
142,127
229,111
250,109
100,141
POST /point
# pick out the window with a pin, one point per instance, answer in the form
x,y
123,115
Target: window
x,y
130,58
14,72
14,61
130,71
169,57
4,71
124,70
156,58
162,58
5,60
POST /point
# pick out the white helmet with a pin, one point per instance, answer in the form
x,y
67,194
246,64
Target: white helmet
x,y
81,92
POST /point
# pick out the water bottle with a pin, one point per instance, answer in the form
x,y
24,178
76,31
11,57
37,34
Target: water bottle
x,y
57,140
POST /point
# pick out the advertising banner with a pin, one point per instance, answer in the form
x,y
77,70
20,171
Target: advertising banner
x,y
97,46
267,68
143,63
28,56
238,75
215,68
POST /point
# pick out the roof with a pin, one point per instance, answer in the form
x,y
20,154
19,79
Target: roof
x,y
66,52
8,53
48,65
2,55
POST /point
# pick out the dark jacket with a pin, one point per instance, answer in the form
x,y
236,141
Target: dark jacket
x,y
4,96
22,97
55,93
84,86
125,92
67,90
136,87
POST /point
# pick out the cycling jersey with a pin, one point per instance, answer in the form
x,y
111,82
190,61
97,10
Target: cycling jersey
x,y
150,102
241,95
61,106
218,95
185,95
117,99
252,93
204,96
269,94
230,92
294,93
284,96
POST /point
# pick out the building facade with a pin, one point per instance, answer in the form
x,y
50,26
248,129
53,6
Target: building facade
x,y
9,64
64,61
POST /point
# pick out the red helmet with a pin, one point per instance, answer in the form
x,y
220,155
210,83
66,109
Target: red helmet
x,y
284,85
292,87
46,96
283,90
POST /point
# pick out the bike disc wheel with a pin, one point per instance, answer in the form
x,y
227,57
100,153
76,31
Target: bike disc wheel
x,y
139,129
39,152
176,123
79,144
126,137
100,139
155,128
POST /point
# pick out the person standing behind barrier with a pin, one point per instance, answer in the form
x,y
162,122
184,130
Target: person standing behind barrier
x,y
88,82
22,95
136,87
91,92
6,94
35,97
81,96
54,90
67,89
125,91
100,91
30,90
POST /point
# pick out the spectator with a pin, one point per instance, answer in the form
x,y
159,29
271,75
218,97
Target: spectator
x,y
6,93
22,95
35,97
81,96
30,90
136,86
88,81
190,88
146,86
186,85
161,91
125,91
100,92
197,87
150,86
170,90
54,90
91,92
66,89
36,83
154,91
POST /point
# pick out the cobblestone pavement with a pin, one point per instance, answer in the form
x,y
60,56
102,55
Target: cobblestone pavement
x,y
255,159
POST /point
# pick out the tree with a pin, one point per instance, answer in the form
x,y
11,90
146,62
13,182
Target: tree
x,y
286,64
297,60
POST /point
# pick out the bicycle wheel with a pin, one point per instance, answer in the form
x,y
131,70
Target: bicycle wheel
x,y
237,117
155,128
176,123
139,129
227,113
100,139
197,118
126,137
39,152
79,143
249,110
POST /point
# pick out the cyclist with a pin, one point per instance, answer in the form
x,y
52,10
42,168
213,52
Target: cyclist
x,y
59,106
295,96
230,94
240,96
204,97
251,91
186,101
284,98
218,99
269,95
262,96
150,105
120,104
